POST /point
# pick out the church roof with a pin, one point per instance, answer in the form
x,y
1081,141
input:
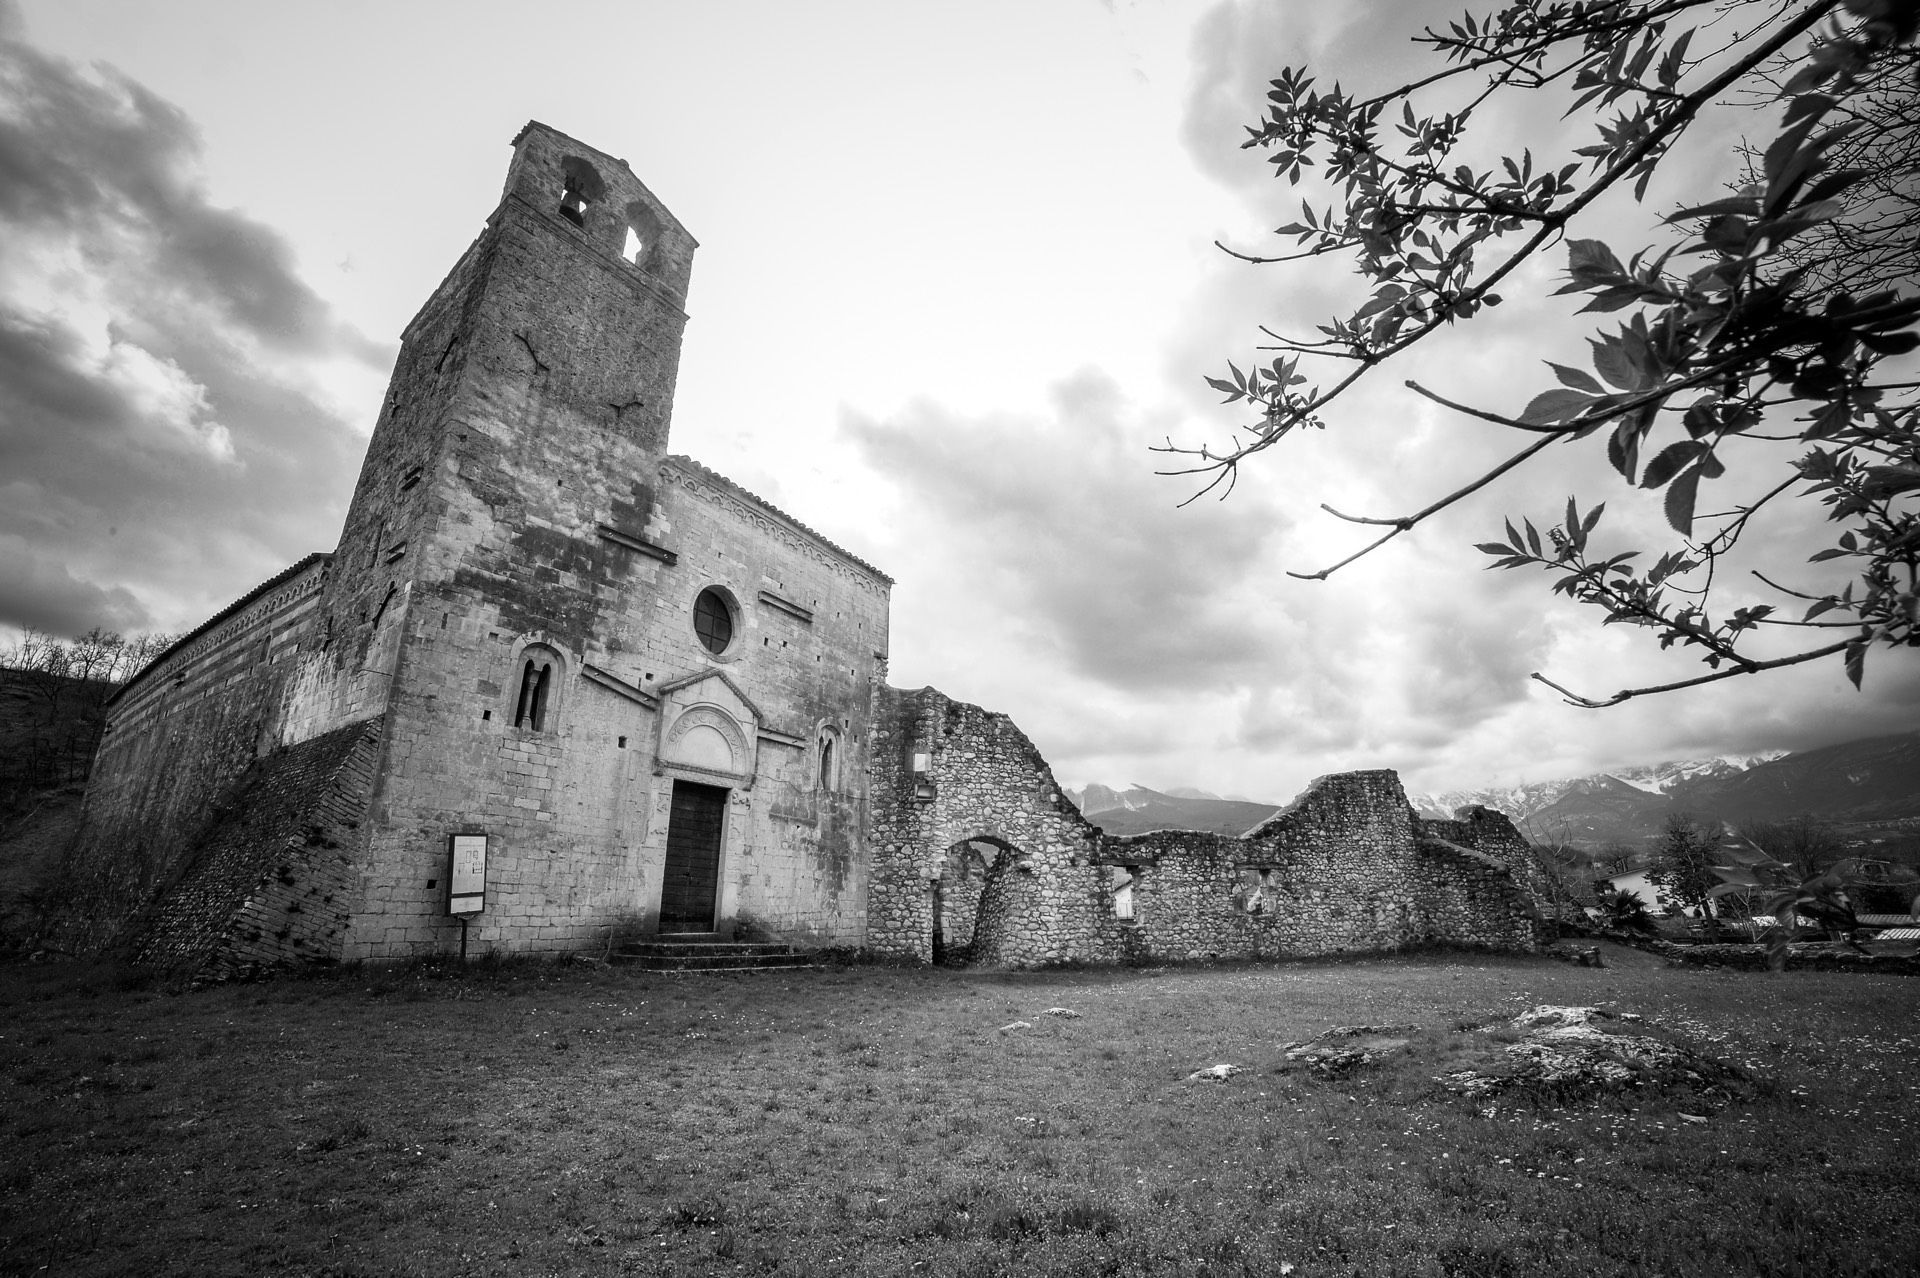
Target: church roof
x,y
277,580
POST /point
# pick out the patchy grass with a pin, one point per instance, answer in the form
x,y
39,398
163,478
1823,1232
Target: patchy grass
x,y
529,1119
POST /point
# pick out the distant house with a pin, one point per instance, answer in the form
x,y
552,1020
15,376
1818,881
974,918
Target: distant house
x,y
1891,927
1651,895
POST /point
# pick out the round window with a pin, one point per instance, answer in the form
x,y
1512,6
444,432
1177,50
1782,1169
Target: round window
x,y
713,620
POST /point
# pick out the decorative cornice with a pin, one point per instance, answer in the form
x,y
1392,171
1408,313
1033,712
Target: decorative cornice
x,y
268,595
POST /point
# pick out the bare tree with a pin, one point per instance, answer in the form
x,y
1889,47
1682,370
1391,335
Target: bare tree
x,y
1804,842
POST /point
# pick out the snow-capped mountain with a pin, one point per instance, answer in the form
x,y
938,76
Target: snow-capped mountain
x,y
1137,809
1523,801
1876,780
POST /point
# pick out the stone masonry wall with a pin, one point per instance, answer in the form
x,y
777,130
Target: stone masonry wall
x,y
1342,869
1481,829
1467,896
983,780
177,737
1331,873
270,880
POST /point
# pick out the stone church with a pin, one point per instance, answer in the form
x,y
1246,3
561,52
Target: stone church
x,y
557,687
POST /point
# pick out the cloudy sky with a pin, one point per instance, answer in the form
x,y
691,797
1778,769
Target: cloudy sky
x,y
956,276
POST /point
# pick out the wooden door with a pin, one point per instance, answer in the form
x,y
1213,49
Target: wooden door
x,y
691,880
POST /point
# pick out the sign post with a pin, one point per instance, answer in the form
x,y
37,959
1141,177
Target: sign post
x,y
466,880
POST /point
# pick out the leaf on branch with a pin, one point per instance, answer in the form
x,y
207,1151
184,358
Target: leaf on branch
x,y
1550,408
1671,460
1680,498
1575,378
1623,449
1591,262
1856,661
1739,205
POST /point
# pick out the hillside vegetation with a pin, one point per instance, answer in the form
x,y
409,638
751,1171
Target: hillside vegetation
x,y
49,726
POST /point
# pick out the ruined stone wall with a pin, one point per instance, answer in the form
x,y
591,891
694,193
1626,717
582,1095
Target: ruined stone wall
x,y
1342,869
1484,830
982,779
177,737
1331,873
1468,897
269,880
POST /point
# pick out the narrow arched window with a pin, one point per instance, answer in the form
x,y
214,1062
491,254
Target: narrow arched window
x,y
828,765
536,681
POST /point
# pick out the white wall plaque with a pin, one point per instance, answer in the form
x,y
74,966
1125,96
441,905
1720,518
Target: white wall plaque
x,y
466,873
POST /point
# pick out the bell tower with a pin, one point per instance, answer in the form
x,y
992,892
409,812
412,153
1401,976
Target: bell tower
x,y
529,406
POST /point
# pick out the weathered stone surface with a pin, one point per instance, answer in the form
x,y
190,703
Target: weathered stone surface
x,y
969,822
1580,1051
1214,1073
1345,1048
270,879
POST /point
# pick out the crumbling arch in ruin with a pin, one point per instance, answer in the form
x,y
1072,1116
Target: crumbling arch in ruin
x,y
968,868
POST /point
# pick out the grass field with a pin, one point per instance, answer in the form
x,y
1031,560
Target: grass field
x,y
533,1119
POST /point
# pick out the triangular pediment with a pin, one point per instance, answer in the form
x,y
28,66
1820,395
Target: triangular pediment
x,y
712,687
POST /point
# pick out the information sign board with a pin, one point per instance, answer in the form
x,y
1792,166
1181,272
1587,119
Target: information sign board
x,y
466,873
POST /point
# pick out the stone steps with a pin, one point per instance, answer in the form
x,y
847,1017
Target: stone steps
x,y
710,956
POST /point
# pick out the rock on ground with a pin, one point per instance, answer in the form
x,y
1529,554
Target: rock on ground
x,y
1345,1048
1589,1050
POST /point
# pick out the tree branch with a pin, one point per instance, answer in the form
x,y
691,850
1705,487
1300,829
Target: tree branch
x,y
1625,694
1404,523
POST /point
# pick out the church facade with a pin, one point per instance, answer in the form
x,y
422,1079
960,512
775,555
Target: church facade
x,y
557,686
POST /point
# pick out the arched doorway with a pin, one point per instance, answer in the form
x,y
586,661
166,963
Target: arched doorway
x,y
966,870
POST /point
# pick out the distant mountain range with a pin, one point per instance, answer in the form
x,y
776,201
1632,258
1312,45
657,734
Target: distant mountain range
x,y
1136,810
1857,783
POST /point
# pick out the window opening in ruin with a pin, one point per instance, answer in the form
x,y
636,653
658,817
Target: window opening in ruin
x,y
713,621
1123,880
536,678
643,231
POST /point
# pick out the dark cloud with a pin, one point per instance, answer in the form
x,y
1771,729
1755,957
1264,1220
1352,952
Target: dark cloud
x,y
161,430
40,594
89,157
